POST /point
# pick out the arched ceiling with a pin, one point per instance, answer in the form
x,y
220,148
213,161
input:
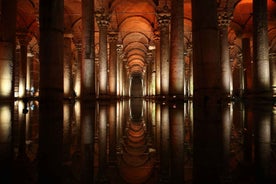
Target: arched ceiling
x,y
136,23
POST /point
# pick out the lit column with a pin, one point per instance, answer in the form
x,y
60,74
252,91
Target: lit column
x,y
67,66
112,74
88,61
261,80
163,20
157,65
227,84
24,40
7,47
76,72
272,58
103,22
120,57
176,69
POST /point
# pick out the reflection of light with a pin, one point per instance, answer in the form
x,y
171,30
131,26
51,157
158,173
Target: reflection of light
x,y
5,123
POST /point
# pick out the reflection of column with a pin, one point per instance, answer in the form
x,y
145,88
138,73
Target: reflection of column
x,y
112,74
112,132
102,142
176,73
272,58
88,61
165,145
177,142
262,123
260,48
163,20
7,47
247,64
51,91
103,22
223,22
87,142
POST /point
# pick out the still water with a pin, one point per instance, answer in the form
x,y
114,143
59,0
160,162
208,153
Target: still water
x,y
137,141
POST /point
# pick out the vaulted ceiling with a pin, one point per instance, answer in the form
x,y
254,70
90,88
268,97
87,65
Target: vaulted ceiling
x,y
137,25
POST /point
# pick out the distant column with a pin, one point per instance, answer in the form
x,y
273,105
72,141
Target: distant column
x,y
261,82
164,20
24,40
247,65
112,74
68,89
157,66
103,22
176,69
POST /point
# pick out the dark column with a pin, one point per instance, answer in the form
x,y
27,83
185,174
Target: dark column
x,y
51,91
176,69
247,65
157,65
88,62
68,88
261,82
207,93
272,58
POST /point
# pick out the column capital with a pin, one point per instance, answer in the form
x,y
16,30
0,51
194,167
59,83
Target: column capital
x,y
272,56
224,18
113,36
24,37
163,16
102,18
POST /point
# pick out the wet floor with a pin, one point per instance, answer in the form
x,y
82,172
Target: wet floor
x,y
137,141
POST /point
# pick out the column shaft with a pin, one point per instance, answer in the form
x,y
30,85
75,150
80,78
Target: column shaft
x,y
112,74
88,61
247,64
176,69
260,48
68,88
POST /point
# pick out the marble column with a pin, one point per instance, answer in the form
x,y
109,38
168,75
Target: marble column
x,y
176,68
51,16
24,40
261,80
227,83
7,48
88,61
103,23
77,68
112,74
119,72
164,22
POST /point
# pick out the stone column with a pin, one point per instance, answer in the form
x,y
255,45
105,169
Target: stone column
x,y
247,64
227,83
120,56
88,61
261,80
7,48
176,69
157,65
77,68
24,40
112,74
103,22
272,58
163,20
51,16
68,88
